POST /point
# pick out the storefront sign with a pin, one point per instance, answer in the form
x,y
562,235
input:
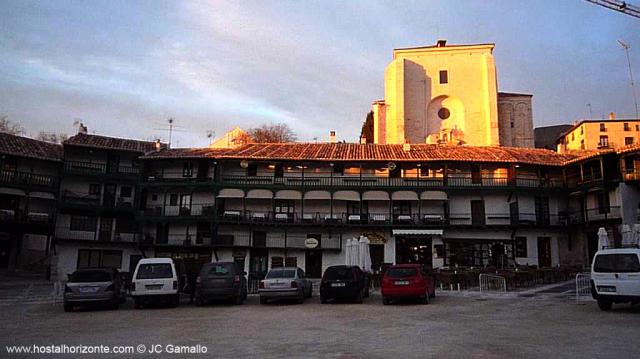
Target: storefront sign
x,y
375,237
311,243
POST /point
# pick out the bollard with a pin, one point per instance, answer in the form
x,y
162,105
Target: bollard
x,y
458,287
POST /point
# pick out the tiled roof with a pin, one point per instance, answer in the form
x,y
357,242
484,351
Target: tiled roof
x,y
112,143
28,147
371,152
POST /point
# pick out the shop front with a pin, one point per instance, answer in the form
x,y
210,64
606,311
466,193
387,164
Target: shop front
x,y
416,245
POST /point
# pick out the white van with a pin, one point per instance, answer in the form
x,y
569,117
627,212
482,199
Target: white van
x,y
156,280
615,277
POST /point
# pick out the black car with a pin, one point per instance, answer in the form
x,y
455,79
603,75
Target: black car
x,y
221,280
344,282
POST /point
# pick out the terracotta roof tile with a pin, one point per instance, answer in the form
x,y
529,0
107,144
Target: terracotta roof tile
x,y
371,152
28,147
114,143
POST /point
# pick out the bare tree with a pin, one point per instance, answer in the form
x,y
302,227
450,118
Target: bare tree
x,y
9,127
272,133
52,137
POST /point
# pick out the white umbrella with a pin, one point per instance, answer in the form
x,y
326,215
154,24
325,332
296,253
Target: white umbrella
x,y
603,238
627,235
366,254
347,252
355,252
636,233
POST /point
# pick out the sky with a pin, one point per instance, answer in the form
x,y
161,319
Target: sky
x,y
124,68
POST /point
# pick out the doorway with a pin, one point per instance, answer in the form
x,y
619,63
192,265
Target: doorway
x,y
109,198
377,256
477,213
106,229
414,250
113,163
313,263
544,252
258,262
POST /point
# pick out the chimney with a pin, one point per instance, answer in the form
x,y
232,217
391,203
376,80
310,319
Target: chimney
x,y
406,147
82,129
441,43
157,144
612,115
363,140
332,136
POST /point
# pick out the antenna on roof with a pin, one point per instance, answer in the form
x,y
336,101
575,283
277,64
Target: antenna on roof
x,y
210,135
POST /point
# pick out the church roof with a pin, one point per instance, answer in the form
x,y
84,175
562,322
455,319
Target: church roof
x,y
371,152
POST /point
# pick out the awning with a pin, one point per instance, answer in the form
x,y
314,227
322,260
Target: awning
x,y
416,232
404,196
434,196
288,194
231,193
43,195
260,193
317,195
12,191
375,196
346,196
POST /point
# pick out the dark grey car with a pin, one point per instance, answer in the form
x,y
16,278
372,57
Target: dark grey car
x,y
94,286
221,280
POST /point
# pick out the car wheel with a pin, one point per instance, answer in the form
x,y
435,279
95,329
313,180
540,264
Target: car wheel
x,y
175,301
323,300
366,292
263,300
239,299
137,303
433,294
199,301
68,307
115,304
605,304
385,301
301,299
310,292
359,298
425,299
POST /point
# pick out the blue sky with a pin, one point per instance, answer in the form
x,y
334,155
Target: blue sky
x,y
124,68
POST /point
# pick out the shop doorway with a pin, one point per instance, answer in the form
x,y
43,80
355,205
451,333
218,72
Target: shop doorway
x,y
258,262
313,263
544,252
377,256
414,250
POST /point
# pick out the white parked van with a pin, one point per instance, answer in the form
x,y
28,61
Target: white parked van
x,y
615,276
156,280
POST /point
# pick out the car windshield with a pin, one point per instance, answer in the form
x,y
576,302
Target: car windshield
x,y
281,273
402,272
154,271
221,269
337,273
90,276
616,263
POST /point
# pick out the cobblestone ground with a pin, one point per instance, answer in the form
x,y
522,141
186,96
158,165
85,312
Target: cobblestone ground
x,y
452,326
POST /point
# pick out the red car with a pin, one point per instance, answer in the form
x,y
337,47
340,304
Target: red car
x,y
407,281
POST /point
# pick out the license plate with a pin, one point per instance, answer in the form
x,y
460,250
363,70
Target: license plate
x,y
402,282
337,284
606,289
153,286
88,289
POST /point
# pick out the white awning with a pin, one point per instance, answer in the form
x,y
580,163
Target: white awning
x,y
404,196
288,194
317,195
434,195
43,195
12,191
346,196
231,193
417,232
260,193
375,196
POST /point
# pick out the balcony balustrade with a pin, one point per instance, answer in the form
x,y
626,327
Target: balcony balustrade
x,y
64,232
99,168
27,179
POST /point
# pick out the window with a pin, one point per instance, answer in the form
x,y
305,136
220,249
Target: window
x,y
444,77
573,136
604,141
353,207
94,189
155,271
424,171
125,225
603,203
185,200
542,210
187,169
582,130
444,113
603,128
637,127
284,206
83,223
93,258
125,192
521,247
626,126
617,263
252,170
582,144
401,208
629,164
154,197
173,199
628,140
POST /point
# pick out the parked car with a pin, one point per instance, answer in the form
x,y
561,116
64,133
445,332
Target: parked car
x,y
285,283
157,280
615,277
221,280
344,282
407,281
94,286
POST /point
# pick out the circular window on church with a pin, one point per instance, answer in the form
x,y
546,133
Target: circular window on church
x,y
444,113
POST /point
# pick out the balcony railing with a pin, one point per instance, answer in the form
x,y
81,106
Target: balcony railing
x,y
75,199
35,216
18,178
98,168
413,182
632,175
194,210
122,236
594,214
176,176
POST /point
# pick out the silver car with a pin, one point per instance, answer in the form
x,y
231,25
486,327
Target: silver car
x,y
285,283
94,286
